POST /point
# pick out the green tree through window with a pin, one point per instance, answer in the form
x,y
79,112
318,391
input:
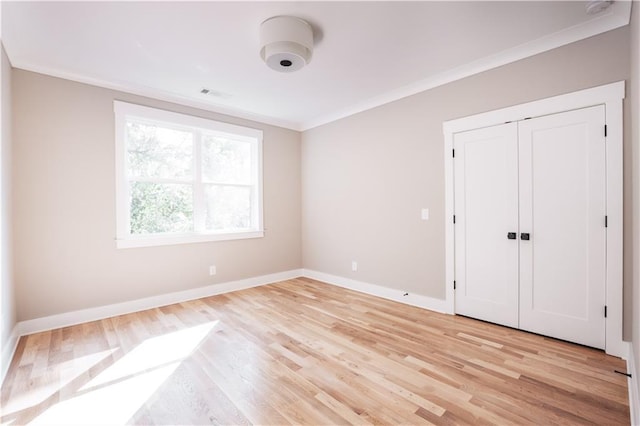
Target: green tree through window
x,y
183,179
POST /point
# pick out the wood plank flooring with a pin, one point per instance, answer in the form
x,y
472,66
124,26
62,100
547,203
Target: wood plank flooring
x,y
304,352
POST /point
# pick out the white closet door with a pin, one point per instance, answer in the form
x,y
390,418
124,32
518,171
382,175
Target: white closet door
x,y
562,208
486,208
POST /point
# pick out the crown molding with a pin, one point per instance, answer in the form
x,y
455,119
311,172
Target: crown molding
x,y
618,15
156,94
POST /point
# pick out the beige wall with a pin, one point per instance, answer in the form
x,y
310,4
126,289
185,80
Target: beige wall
x,y
366,177
64,207
364,180
7,299
634,91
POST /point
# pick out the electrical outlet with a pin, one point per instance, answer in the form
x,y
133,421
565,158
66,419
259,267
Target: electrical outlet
x,y
212,270
354,266
424,214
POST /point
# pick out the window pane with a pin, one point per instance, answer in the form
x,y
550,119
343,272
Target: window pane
x,y
158,152
227,207
159,208
225,160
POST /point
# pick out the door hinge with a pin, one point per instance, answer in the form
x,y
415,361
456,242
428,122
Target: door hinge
x,y
605,311
605,130
453,152
454,284
454,218
606,221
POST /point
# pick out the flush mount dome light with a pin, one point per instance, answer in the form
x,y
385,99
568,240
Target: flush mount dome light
x,y
286,43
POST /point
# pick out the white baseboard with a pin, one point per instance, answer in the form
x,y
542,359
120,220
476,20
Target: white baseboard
x,y
93,314
634,389
8,351
438,305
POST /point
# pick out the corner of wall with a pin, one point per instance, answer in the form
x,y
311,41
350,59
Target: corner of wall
x,y
8,329
8,350
633,362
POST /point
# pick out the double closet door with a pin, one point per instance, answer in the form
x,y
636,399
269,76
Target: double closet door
x,y
530,231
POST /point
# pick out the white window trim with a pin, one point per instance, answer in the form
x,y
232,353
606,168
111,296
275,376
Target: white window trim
x,y
123,238
611,96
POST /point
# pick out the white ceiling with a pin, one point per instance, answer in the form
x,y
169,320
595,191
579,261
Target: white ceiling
x,y
366,53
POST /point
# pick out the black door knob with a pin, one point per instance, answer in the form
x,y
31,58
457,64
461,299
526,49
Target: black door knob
x,y
511,235
524,236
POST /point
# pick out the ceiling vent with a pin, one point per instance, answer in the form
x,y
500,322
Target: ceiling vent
x,y
286,43
596,6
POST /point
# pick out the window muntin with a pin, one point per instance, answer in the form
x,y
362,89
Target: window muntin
x,y
185,179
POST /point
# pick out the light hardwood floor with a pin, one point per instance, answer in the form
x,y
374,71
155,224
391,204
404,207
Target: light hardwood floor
x,y
304,352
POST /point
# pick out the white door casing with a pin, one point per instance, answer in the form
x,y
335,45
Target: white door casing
x,y
563,207
486,197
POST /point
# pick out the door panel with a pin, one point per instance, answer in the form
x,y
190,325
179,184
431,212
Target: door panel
x,y
562,207
486,206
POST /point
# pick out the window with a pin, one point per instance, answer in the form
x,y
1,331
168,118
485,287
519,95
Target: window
x,y
183,179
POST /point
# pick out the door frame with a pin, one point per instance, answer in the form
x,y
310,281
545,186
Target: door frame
x,y
611,96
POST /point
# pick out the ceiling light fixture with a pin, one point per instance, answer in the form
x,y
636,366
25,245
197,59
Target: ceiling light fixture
x,y
286,43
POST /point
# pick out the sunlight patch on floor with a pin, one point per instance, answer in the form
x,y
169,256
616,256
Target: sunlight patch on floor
x,y
153,353
113,404
117,393
57,377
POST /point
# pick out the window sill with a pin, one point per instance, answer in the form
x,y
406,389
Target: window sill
x,y
151,241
